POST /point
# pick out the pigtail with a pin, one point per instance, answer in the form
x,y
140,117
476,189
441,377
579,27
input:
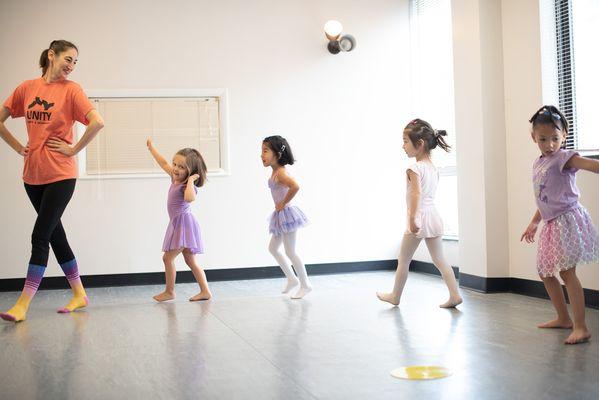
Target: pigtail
x,y
419,129
441,142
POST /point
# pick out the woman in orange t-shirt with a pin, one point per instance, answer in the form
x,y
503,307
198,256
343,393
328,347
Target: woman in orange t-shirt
x,y
50,104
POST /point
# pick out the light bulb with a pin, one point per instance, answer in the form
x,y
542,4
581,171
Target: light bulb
x,y
333,29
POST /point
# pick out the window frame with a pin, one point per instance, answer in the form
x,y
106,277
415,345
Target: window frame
x,y
220,93
447,168
443,172
559,66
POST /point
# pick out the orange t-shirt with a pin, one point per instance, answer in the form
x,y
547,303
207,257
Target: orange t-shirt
x,y
50,110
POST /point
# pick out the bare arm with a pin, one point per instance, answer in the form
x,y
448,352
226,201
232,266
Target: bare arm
x,y
531,229
537,217
578,162
162,162
7,136
95,124
190,193
289,182
413,199
91,130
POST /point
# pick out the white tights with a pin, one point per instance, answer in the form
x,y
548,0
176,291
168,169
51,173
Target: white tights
x,y
288,241
409,244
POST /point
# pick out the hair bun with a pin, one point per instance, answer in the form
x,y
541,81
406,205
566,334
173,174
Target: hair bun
x,y
442,132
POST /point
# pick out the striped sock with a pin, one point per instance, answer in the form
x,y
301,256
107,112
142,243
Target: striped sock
x,y
35,273
79,299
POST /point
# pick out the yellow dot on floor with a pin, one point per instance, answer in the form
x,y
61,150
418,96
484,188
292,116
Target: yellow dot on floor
x,y
421,372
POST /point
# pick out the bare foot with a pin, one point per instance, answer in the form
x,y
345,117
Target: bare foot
x,y
201,296
388,297
557,324
579,335
164,296
451,303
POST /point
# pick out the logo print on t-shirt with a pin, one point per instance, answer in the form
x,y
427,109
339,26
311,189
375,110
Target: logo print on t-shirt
x,y
39,117
540,184
41,103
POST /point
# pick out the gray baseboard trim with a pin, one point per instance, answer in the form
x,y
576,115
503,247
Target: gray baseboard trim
x,y
213,275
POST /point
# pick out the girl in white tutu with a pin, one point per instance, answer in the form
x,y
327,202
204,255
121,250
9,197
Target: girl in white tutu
x,y
424,222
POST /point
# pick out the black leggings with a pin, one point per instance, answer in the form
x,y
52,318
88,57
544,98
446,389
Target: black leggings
x,y
50,201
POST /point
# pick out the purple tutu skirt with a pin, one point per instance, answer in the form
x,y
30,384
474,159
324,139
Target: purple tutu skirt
x,y
183,232
288,220
567,241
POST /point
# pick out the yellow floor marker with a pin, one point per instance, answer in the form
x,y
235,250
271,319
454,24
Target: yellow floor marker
x,y
421,372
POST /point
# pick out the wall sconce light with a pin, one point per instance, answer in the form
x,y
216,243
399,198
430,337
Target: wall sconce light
x,y
338,42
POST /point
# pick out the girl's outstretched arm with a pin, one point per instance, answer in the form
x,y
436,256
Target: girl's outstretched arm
x,y
8,137
289,182
585,163
165,165
414,199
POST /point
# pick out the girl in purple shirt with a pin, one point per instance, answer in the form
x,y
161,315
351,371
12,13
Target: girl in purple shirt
x,y
568,236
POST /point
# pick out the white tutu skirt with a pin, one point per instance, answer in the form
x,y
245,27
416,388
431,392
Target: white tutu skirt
x,y
430,223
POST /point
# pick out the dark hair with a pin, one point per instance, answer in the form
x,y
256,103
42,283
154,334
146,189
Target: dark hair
x,y
195,164
419,129
281,148
57,46
550,115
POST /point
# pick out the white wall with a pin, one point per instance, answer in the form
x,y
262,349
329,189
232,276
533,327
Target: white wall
x,y
342,114
523,96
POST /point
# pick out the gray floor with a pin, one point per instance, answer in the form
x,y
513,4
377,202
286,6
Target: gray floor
x,y
251,343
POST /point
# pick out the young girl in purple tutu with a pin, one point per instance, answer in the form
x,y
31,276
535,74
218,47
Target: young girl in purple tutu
x,y
187,172
287,218
568,236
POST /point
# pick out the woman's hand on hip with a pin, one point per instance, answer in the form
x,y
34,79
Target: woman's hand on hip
x,y
60,146
24,151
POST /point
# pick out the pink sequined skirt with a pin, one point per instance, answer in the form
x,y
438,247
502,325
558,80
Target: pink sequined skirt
x,y
567,241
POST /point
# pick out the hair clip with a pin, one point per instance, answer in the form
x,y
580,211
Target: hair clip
x,y
282,148
547,111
